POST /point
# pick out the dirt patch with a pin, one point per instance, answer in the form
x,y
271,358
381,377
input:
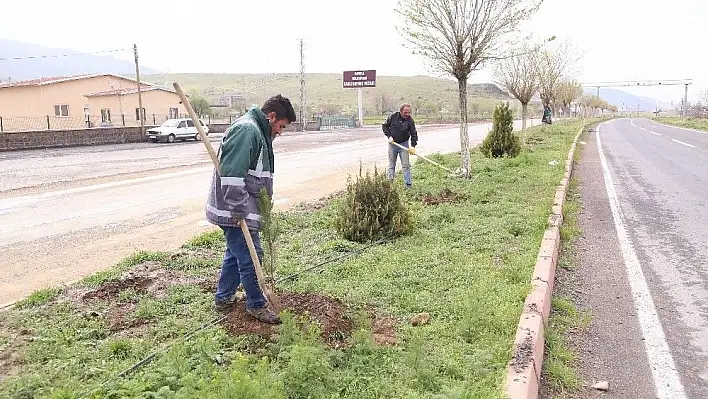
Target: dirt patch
x,y
148,277
311,206
111,289
445,196
328,313
384,331
9,358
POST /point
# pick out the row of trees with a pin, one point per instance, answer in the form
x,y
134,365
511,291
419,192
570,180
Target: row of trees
x,y
458,37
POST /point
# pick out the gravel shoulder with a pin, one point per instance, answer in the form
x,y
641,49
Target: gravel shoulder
x,y
611,348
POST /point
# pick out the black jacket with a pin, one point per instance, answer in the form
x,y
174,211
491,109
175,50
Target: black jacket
x,y
400,129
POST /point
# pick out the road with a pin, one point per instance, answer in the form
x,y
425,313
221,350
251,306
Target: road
x,y
66,213
643,259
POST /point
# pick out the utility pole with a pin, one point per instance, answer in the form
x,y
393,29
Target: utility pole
x,y
685,101
141,114
302,86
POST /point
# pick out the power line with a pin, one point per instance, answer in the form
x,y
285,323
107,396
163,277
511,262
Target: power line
x,y
60,55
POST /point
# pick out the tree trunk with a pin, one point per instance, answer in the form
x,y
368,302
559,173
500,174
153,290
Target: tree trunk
x,y
464,136
524,115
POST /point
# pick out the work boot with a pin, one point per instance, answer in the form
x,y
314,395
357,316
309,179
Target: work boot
x,y
264,314
222,306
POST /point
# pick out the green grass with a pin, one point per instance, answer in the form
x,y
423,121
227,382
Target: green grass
x,y
560,364
427,95
468,264
38,298
691,123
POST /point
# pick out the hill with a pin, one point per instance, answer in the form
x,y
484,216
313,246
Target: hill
x,y
324,92
622,99
31,68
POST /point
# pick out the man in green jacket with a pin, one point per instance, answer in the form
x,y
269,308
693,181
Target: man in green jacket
x,y
247,165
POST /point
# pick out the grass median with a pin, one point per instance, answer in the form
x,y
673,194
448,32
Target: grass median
x,y
467,265
690,123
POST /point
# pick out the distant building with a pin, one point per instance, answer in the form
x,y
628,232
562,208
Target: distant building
x,y
231,101
83,101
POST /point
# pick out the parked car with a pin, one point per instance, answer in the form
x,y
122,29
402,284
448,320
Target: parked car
x,y
176,129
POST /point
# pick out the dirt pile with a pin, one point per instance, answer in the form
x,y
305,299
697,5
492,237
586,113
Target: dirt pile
x,y
446,196
329,314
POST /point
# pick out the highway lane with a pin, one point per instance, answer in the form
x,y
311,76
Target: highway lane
x,y
68,213
656,181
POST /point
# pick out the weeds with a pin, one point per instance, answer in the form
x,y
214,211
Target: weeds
x,y
559,367
469,268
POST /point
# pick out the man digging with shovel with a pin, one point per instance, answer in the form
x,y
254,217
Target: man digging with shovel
x,y
246,163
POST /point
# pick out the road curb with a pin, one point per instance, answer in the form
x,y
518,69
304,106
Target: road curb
x,y
523,377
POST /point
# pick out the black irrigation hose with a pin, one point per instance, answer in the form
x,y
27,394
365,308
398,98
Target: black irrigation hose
x,y
292,276
152,356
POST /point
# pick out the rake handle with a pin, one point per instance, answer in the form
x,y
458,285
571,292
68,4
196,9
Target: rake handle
x,y
420,156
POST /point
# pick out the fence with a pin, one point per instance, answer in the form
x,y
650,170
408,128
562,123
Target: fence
x,y
333,122
50,122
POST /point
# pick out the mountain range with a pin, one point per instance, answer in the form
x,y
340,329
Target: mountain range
x,y
628,101
22,61
16,62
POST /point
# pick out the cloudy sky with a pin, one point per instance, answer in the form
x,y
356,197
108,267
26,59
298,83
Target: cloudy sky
x,y
619,39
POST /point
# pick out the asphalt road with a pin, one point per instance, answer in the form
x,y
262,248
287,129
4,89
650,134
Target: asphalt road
x,y
66,213
643,259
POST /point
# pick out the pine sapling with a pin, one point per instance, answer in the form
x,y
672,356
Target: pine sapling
x,y
501,140
270,231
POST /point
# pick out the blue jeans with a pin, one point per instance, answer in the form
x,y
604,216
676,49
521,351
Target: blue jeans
x,y
237,268
394,153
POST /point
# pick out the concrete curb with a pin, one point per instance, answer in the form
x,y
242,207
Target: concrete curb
x,y
523,377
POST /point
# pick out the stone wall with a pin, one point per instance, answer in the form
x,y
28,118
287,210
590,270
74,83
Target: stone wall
x,y
10,141
67,138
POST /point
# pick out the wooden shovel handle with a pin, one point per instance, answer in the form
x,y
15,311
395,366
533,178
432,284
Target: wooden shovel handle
x,y
272,299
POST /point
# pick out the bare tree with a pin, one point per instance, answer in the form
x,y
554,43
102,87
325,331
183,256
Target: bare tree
x,y
460,36
518,76
566,92
551,66
384,102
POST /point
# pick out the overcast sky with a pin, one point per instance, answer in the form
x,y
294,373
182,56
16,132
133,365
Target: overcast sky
x,y
620,39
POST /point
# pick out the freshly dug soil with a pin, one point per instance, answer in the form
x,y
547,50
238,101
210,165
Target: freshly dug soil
x,y
446,195
328,313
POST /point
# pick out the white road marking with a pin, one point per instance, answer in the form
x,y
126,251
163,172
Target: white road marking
x,y
631,122
656,134
681,142
643,128
667,381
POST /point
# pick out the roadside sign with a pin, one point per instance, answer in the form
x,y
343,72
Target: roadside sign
x,y
359,79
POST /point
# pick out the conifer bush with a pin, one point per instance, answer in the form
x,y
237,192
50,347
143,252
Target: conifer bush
x,y
501,140
372,209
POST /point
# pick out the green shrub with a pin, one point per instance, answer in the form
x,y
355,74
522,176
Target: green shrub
x,y
501,140
372,209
